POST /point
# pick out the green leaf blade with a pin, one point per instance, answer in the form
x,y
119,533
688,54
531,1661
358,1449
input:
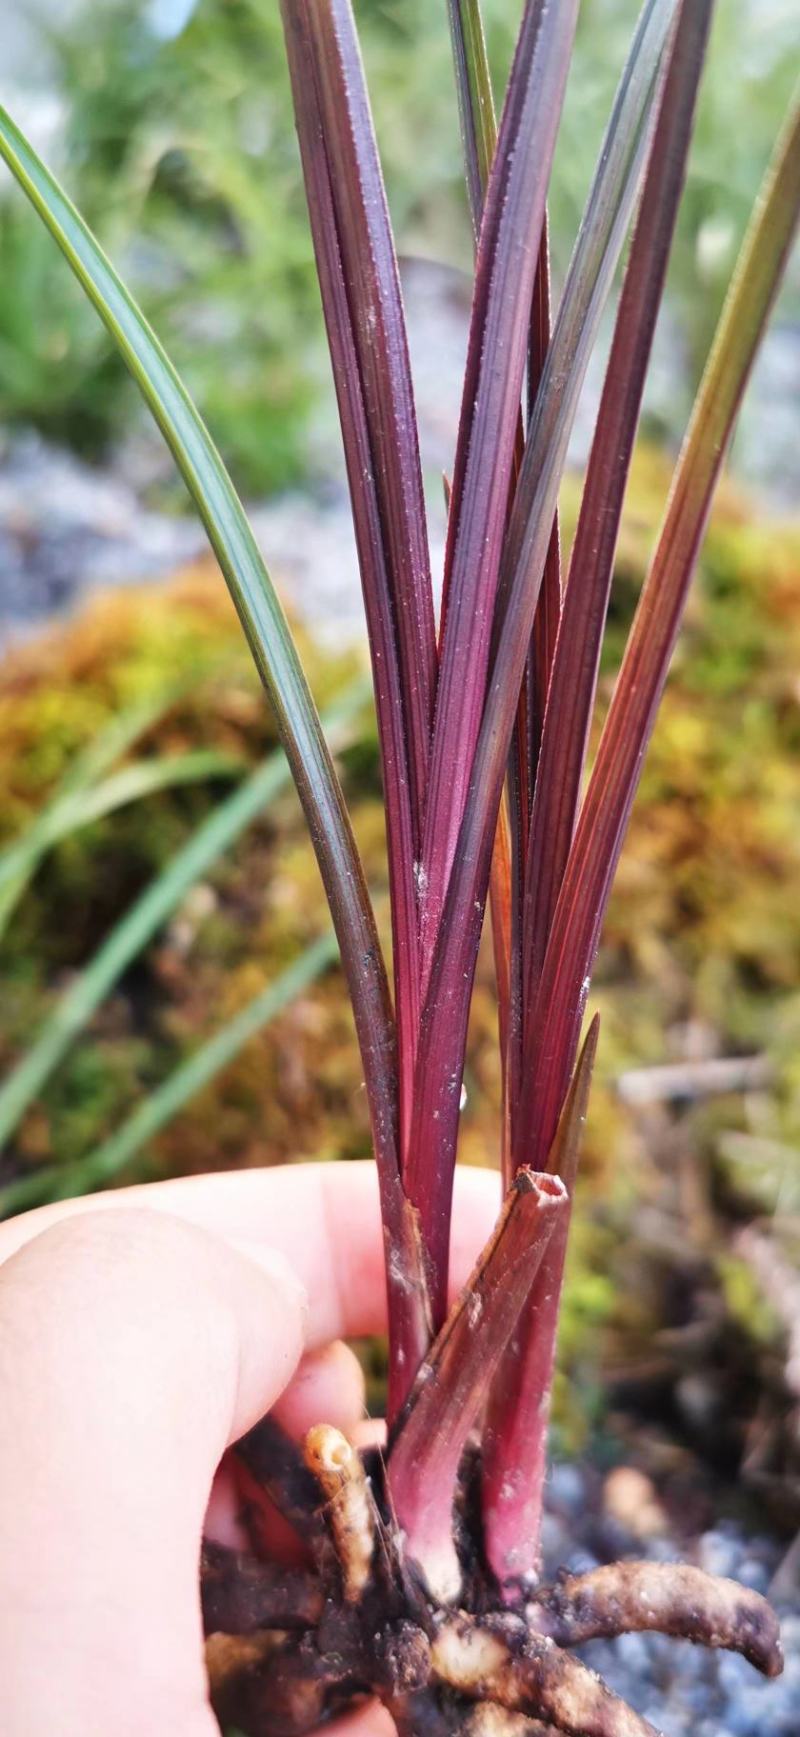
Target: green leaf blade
x,y
263,621
476,110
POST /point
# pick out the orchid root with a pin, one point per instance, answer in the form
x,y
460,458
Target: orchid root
x,y
664,1597
291,1647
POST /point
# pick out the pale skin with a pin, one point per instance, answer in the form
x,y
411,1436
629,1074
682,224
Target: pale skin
x,y
141,1333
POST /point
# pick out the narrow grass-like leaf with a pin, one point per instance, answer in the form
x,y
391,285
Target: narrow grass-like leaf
x,y
445,1013
515,1436
548,609
528,724
264,622
360,287
372,284
500,907
556,370
516,1442
561,997
453,1382
587,285
132,783
65,1181
115,737
588,282
85,767
506,266
136,928
588,587
476,110
479,137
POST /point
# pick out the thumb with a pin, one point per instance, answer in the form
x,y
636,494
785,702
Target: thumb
x,y
134,1348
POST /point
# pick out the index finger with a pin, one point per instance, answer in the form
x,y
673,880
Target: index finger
x,y
324,1218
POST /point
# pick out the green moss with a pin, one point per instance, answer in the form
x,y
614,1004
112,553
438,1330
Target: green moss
x,y
55,697
744,1299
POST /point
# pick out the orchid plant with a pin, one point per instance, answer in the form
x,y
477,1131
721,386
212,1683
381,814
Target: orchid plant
x,y
423,1578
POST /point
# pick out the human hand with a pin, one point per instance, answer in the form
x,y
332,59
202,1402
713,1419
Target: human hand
x,y
141,1334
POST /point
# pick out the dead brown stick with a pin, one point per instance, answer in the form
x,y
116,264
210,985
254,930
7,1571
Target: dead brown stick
x,y
780,1285
694,1079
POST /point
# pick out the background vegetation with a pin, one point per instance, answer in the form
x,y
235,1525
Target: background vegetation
x,y
181,153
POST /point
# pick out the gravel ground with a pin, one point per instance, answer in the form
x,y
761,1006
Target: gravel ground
x,y
683,1690
66,528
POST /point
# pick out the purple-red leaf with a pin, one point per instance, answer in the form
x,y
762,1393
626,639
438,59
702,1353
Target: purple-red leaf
x,y
452,1383
589,278
577,658
506,266
500,906
556,1016
548,611
507,865
517,1439
479,134
372,284
431,1155
527,729
364,315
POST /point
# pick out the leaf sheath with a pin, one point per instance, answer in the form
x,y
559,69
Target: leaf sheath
x,y
453,1381
515,1434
